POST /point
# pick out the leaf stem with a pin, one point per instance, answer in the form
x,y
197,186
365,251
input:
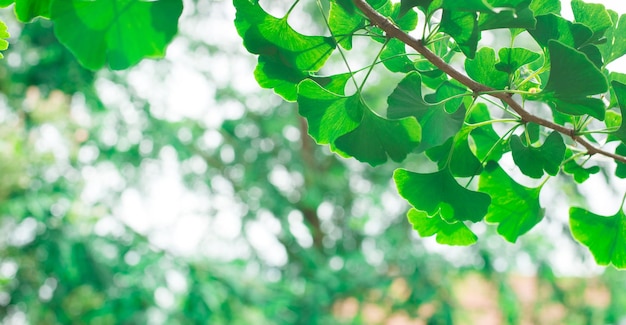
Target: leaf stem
x,y
293,6
371,67
343,55
392,30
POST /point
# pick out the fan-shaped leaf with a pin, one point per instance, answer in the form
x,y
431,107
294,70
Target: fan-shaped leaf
x,y
604,236
456,233
117,32
439,193
515,207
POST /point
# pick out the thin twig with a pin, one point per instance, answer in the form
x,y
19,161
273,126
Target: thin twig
x,y
392,30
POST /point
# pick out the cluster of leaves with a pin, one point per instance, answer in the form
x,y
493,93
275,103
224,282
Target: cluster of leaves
x,y
453,125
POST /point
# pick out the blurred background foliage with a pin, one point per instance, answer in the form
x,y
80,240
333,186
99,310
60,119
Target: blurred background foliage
x,y
254,223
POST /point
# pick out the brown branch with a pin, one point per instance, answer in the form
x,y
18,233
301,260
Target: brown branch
x,y
393,31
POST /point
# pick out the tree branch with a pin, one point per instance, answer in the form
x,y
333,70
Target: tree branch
x,y
393,31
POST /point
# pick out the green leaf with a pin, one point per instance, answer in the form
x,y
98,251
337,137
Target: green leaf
x,y
282,80
6,3
620,171
511,59
406,5
619,89
27,10
572,78
467,5
513,14
4,34
377,138
552,27
456,233
462,162
329,115
543,7
483,69
533,161
580,173
515,207
120,32
394,57
274,39
462,26
604,236
592,15
343,24
615,45
439,193
437,124
489,145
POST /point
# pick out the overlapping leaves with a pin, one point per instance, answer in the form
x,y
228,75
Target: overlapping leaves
x,y
352,129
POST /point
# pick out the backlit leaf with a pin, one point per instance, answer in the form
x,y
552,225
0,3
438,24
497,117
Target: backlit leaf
x,y
4,34
592,15
456,233
605,236
572,78
377,138
511,59
462,26
488,143
552,27
120,32
482,68
462,162
514,207
27,10
615,45
437,124
533,161
329,115
619,89
439,193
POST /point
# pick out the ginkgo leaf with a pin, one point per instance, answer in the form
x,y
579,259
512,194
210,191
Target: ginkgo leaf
x,y
567,88
329,115
580,173
553,27
377,138
457,154
543,7
605,236
462,26
511,59
619,89
482,68
4,34
515,14
394,57
117,32
456,233
592,15
533,161
615,45
437,124
467,5
27,10
439,193
514,207
286,57
489,145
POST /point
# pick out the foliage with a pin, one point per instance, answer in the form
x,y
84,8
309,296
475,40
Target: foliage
x,y
567,77
439,125
350,257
